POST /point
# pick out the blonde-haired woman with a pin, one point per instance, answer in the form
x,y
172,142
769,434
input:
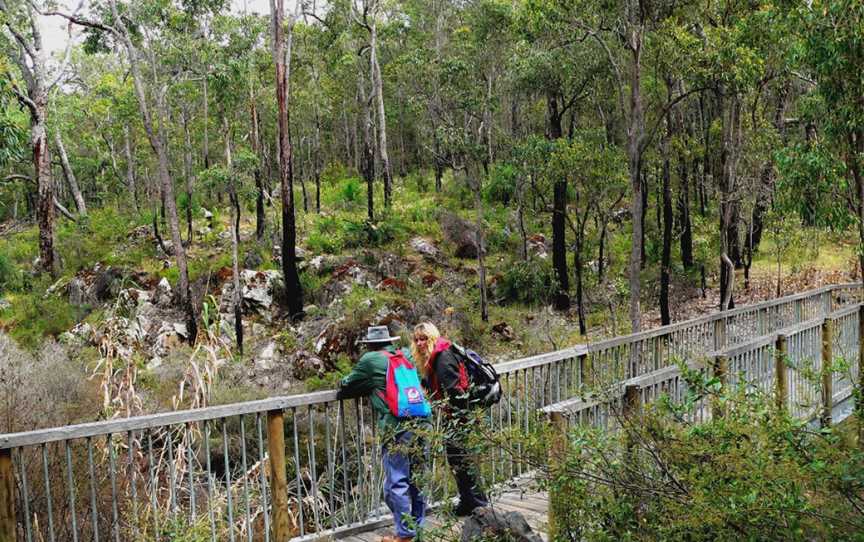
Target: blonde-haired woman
x,y
446,379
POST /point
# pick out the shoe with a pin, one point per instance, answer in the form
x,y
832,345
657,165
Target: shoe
x,y
463,510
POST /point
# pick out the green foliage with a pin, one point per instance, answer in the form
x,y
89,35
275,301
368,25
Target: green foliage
x,y
10,276
527,282
753,474
32,318
501,186
331,379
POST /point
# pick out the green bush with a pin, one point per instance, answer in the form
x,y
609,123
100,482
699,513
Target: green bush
x,y
32,318
527,282
754,474
501,186
10,276
376,234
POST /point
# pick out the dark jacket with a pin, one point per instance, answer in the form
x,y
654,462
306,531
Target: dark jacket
x,y
446,377
369,377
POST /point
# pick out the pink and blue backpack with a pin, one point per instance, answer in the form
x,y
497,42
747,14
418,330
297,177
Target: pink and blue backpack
x,y
403,393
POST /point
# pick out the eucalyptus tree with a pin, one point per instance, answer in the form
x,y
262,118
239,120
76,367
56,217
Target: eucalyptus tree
x,y
293,290
23,41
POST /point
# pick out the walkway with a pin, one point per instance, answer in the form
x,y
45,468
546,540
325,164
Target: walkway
x,y
519,497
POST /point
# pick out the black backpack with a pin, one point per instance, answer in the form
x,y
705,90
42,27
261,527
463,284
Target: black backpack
x,y
485,386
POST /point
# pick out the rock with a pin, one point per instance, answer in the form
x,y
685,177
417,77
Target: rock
x,y
5,304
490,524
310,309
424,247
504,330
207,214
306,365
391,284
257,330
252,260
537,245
461,233
316,263
162,296
140,232
107,283
258,290
265,360
167,338
169,247
154,363
430,278
180,330
77,291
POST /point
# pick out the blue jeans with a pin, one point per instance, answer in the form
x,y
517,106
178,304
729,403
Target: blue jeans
x,y
402,496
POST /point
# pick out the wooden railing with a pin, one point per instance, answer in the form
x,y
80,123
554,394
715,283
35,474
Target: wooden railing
x,y
308,465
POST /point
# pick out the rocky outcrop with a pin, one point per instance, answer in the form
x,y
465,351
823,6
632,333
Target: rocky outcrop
x,y
461,233
425,248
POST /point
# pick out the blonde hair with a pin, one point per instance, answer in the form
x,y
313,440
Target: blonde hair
x,y
432,334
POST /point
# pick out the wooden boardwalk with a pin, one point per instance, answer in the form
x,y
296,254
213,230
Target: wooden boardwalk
x,y
518,497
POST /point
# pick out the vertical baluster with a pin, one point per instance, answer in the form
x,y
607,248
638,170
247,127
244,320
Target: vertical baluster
x,y
25,490
210,512
227,461
94,514
190,466
361,448
263,478
153,485
245,466
300,486
346,493
331,474
172,473
312,468
511,394
71,482
132,484
112,466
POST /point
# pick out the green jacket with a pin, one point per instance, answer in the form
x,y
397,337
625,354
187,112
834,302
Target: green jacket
x,y
367,378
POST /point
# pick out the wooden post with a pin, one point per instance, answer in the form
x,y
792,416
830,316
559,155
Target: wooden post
x,y
721,372
632,400
7,497
827,373
720,334
557,459
278,476
781,384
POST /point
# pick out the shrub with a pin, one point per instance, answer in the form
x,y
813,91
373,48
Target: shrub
x,y
527,282
754,474
376,234
501,186
10,276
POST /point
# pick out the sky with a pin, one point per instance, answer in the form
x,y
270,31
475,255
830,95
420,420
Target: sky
x,y
54,29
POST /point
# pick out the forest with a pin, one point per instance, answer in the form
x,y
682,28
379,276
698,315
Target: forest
x,y
204,202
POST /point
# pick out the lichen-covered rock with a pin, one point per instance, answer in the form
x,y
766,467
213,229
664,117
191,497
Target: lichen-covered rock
x,y
425,248
163,294
460,233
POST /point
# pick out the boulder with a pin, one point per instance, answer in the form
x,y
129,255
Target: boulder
x,y
106,283
306,365
252,260
258,290
425,248
167,338
460,233
265,359
490,524
162,296
77,291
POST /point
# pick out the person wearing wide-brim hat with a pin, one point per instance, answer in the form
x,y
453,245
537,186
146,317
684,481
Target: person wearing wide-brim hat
x,y
368,377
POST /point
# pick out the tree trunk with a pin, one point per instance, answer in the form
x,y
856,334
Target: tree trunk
x,y
187,170
260,216
635,134
70,175
368,161
155,138
728,162
45,186
666,258
481,265
378,89
293,290
686,239
601,259
235,237
130,165
559,215
206,149
577,266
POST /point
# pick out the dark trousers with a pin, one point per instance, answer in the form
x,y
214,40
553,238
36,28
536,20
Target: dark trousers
x,y
470,494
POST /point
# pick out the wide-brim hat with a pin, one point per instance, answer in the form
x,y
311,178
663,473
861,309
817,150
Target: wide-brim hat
x,y
378,334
